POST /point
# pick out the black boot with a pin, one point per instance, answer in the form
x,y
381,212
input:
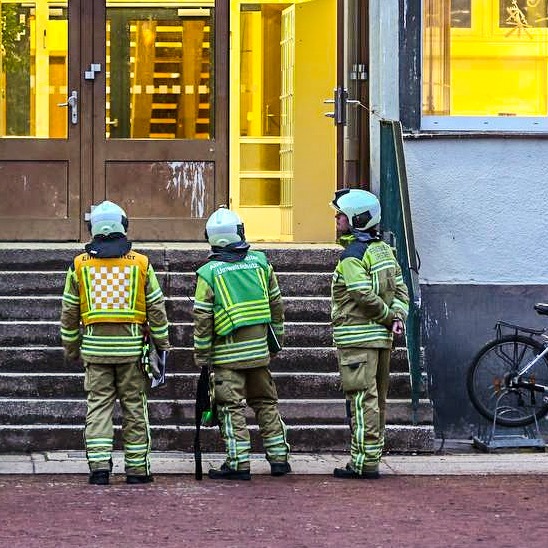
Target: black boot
x,y
99,477
134,480
349,473
279,468
224,472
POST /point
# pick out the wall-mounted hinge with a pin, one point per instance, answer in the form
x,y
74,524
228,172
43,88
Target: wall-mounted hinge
x,y
359,72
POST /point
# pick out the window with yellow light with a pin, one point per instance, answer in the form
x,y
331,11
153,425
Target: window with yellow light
x,y
484,65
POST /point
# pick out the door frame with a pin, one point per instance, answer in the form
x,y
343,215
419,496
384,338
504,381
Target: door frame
x,y
37,151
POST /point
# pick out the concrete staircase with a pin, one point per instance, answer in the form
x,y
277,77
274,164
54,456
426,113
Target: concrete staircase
x,y
42,405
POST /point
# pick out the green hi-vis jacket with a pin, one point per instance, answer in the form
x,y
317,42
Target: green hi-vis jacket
x,y
111,298
234,301
367,294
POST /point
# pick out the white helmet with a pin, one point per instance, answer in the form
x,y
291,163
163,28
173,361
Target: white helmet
x,y
224,227
107,218
361,207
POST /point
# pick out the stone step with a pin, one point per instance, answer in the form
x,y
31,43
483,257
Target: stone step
x,y
176,284
181,412
44,333
179,309
303,438
177,258
183,385
51,360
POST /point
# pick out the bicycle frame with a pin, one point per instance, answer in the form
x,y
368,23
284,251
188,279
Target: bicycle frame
x,y
514,381
533,362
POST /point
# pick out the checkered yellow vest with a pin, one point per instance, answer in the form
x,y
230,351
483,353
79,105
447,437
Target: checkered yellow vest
x,y
112,290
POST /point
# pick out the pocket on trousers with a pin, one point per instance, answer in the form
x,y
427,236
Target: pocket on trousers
x,y
223,388
353,376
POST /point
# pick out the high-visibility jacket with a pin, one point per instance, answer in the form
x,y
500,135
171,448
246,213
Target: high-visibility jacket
x,y
112,297
112,290
241,292
245,346
367,294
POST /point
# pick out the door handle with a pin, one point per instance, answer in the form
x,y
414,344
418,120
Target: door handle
x,y
72,102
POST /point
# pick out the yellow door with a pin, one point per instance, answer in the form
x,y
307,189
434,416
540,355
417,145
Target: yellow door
x,y
283,147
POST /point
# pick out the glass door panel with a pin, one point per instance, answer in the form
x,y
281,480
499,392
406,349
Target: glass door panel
x,y
33,69
160,63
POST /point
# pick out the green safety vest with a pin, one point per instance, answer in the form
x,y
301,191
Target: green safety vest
x,y
241,292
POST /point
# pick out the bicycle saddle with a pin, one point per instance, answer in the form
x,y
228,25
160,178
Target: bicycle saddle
x,y
542,308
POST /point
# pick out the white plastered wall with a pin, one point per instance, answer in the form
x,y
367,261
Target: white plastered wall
x,y
383,73
480,209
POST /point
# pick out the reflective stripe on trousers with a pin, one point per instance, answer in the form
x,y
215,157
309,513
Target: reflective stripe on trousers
x,y
367,409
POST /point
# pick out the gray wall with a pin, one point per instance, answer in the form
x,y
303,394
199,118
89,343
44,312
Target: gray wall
x,y
480,209
458,319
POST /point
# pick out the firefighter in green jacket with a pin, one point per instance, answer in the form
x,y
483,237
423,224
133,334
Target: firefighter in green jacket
x,y
237,295
369,305
111,295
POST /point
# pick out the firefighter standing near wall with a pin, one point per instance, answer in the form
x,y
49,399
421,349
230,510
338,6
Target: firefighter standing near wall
x,y
369,305
237,295
113,292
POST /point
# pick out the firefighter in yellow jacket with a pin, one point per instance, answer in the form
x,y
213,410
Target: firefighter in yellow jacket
x,y
369,305
111,293
237,295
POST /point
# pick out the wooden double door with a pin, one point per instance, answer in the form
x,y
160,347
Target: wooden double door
x,y
125,101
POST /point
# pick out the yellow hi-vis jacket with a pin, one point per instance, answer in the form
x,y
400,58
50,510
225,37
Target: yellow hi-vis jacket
x,y
112,290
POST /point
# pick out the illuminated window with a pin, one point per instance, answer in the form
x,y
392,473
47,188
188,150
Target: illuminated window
x,y
484,65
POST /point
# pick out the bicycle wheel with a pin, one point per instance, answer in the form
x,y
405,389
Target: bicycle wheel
x,y
487,386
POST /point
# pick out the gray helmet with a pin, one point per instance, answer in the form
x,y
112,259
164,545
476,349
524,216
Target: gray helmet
x,y
107,218
224,227
361,207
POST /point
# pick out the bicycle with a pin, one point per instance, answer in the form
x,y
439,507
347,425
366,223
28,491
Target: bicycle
x,y
507,380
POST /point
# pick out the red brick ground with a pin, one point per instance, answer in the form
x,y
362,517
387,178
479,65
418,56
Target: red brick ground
x,y
294,511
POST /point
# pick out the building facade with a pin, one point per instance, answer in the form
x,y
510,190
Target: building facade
x,y
174,107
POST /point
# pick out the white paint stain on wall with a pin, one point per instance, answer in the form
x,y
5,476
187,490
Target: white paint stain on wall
x,y
187,182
